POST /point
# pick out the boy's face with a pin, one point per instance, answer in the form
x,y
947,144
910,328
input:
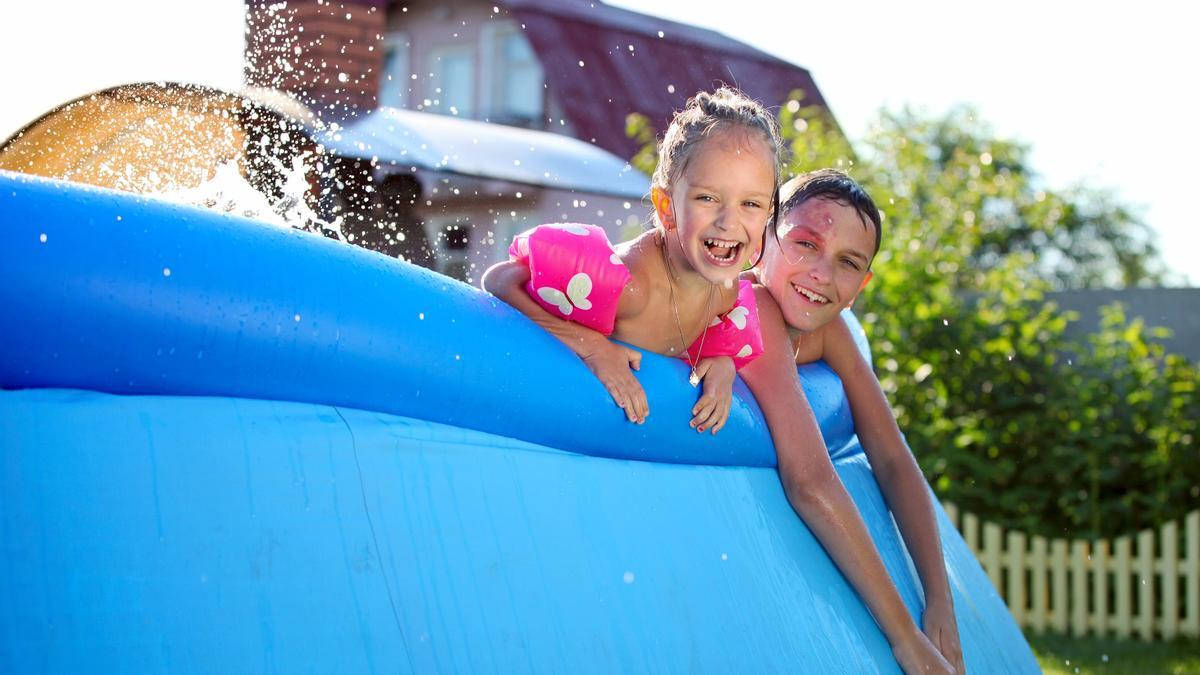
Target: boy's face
x,y
820,262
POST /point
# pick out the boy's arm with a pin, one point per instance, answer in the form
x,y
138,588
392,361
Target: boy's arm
x,y
900,480
609,361
816,492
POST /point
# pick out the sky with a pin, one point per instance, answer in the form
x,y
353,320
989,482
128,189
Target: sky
x,y
1103,92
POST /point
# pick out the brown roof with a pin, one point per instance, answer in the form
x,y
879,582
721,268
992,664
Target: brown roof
x,y
624,57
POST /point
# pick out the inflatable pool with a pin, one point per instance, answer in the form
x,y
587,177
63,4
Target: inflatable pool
x,y
232,447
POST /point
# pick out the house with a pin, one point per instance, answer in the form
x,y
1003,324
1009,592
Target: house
x,y
574,68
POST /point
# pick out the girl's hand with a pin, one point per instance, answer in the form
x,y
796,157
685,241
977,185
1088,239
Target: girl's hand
x,y
918,656
942,629
712,410
611,363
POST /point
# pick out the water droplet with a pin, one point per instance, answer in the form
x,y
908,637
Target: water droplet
x,y
581,63
627,577
421,316
166,271
296,318
660,33
42,237
724,556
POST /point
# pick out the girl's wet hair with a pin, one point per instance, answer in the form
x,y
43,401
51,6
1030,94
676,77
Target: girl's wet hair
x,y
706,114
837,187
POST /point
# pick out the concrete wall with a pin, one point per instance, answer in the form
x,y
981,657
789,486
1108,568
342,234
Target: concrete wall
x,y
1174,308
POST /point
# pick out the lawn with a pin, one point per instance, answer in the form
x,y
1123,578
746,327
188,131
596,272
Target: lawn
x,y
1063,655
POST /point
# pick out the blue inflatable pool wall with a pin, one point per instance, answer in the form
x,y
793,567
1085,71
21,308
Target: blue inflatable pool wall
x,y
230,447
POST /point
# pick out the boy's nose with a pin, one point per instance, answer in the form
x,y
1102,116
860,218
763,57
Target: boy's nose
x,y
821,269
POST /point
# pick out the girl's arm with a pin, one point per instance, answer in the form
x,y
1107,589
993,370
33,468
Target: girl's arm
x,y
901,481
816,492
712,410
608,361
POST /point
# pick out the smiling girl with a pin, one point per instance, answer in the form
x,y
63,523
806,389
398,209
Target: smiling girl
x,y
673,290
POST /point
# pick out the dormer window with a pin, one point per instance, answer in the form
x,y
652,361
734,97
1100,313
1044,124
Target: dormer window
x,y
396,82
453,91
516,92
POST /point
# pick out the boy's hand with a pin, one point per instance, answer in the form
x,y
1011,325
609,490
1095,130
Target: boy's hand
x,y
942,631
918,656
712,410
611,363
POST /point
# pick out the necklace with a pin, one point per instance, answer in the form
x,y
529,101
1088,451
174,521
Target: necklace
x,y
694,378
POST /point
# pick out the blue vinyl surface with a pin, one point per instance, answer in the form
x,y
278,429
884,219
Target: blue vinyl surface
x,y
290,455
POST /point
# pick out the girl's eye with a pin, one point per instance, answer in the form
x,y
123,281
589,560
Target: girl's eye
x,y
705,198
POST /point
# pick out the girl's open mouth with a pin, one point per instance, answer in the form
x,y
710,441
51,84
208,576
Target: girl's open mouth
x,y
722,251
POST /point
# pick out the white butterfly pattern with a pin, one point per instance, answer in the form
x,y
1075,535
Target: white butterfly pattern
x,y
738,315
744,352
576,297
572,228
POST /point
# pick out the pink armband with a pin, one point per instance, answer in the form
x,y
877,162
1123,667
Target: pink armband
x,y
735,333
573,272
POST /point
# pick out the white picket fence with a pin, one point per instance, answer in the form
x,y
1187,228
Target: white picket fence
x,y
1148,585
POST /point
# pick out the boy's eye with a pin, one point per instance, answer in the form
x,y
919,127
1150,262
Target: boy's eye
x,y
705,198
752,204
850,263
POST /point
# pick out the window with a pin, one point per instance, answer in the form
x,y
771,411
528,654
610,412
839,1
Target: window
x,y
397,74
453,83
516,92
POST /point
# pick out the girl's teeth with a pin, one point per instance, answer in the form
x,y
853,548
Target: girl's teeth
x,y
721,250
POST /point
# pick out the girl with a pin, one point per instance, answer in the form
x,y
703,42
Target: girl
x,y
675,285
814,266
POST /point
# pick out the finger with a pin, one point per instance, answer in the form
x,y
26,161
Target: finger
x,y
637,398
721,422
642,402
635,358
622,400
948,645
701,413
712,417
705,401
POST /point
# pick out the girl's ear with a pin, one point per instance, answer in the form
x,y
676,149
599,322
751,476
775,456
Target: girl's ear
x,y
662,206
861,286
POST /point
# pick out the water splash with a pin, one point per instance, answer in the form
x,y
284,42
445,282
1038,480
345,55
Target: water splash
x,y
229,192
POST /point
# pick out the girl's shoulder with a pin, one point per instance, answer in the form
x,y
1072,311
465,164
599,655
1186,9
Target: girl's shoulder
x,y
642,259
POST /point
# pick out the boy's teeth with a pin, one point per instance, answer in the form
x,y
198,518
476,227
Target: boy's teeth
x,y
815,297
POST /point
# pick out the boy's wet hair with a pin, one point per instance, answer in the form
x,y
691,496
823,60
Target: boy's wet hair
x,y
837,187
709,113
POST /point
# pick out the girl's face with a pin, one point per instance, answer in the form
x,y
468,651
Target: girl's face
x,y
819,263
719,206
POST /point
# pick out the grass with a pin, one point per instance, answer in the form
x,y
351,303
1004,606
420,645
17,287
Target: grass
x,y
1066,655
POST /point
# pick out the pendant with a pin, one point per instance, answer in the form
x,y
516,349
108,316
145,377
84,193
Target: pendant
x,y
694,380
